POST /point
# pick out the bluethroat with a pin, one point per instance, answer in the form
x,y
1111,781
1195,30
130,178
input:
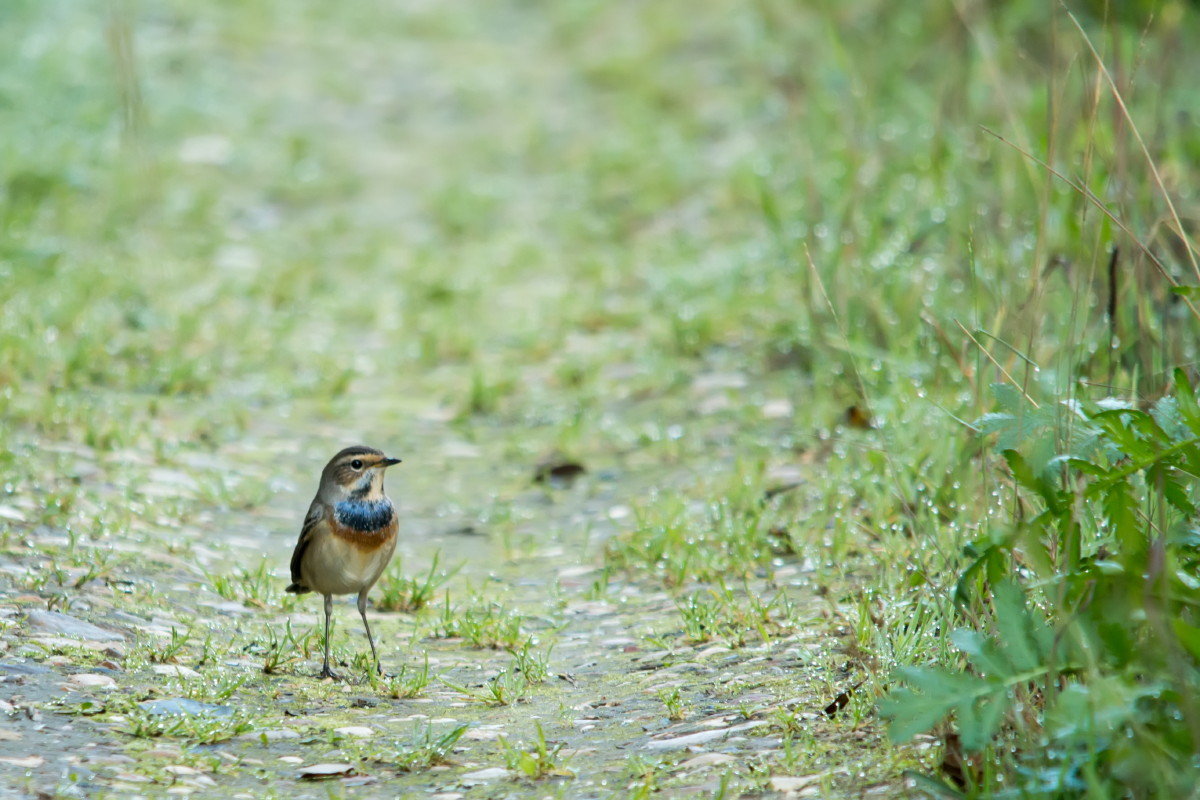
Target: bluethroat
x,y
348,537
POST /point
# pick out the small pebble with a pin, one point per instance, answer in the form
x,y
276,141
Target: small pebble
x,y
792,785
317,772
88,680
707,760
175,671
357,731
482,775
180,769
271,735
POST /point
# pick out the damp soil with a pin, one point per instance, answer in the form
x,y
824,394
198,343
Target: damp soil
x,y
623,698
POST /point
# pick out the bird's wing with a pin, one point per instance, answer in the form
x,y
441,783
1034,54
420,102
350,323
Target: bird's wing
x,y
316,513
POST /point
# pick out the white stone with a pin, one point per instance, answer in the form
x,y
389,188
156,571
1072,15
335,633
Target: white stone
x,y
484,733
707,760
792,785
180,769
210,150
357,731
777,409
175,671
92,680
315,771
489,774
271,735
692,739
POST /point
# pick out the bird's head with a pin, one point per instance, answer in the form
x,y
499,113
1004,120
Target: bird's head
x,y
356,473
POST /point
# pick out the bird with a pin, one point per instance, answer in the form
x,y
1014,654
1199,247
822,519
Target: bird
x,y
348,535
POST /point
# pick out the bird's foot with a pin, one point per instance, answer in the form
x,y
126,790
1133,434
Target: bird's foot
x,y
326,672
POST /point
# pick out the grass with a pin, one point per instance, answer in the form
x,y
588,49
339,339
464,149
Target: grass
x,y
408,682
399,592
537,760
488,626
755,267
424,749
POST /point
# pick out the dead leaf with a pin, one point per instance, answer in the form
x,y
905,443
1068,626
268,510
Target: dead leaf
x,y
961,769
781,542
858,417
557,471
783,488
842,700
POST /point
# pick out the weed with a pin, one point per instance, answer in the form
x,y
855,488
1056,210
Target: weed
x,y
407,683
505,688
194,728
673,701
488,626
719,613
399,593
255,587
537,761
169,652
723,536
280,651
646,776
1108,553
533,665
426,749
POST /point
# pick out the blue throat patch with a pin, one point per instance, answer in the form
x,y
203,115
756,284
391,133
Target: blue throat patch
x,y
364,515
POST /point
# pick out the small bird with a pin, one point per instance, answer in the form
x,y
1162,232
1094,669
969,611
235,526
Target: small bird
x,y
348,537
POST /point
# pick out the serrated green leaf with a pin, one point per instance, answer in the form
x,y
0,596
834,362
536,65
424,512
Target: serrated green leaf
x,y
935,682
990,423
1189,637
1186,398
990,556
1118,642
1167,481
1087,467
932,786
939,691
909,713
1009,398
1166,413
1015,628
1026,477
1127,428
977,722
1120,508
983,654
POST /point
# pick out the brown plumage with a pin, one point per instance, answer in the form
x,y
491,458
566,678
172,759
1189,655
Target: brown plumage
x,y
348,536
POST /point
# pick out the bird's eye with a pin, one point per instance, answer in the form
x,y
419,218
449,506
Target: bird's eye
x,y
356,463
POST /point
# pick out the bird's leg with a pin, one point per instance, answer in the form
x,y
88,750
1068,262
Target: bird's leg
x,y
326,672
362,611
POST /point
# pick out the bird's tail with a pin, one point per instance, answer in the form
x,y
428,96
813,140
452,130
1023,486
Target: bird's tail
x,y
296,588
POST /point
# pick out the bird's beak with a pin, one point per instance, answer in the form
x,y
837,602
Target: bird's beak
x,y
387,462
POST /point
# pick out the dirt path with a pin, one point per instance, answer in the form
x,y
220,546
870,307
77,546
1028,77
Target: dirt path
x,y
474,238
598,661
